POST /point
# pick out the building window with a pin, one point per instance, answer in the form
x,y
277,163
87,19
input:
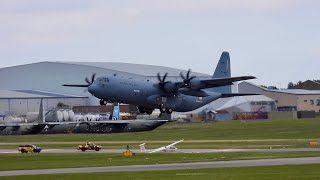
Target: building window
x,y
318,102
305,101
311,102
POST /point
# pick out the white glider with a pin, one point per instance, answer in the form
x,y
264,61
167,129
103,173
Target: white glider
x,y
170,147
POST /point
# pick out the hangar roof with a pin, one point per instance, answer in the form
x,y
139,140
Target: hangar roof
x,y
226,103
140,69
252,84
296,91
33,94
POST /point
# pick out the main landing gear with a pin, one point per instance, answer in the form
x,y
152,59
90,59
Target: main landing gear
x,y
145,110
103,102
164,110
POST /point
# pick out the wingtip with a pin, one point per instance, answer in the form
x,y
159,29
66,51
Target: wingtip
x,y
250,77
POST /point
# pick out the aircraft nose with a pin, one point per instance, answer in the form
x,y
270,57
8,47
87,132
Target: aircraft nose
x,y
92,88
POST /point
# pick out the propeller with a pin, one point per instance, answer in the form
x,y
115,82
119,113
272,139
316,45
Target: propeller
x,y
166,86
187,78
83,85
92,79
162,81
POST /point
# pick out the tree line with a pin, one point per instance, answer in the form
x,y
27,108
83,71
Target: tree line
x,y
297,85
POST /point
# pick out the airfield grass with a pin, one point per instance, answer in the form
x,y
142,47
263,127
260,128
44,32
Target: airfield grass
x,y
45,161
232,130
232,134
284,172
287,143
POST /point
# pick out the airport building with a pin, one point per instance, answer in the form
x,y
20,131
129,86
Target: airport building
x,y
287,99
296,99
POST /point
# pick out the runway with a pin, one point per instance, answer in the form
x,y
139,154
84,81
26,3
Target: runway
x,y
15,151
174,166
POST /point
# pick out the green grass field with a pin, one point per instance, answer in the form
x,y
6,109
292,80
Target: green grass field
x,y
184,145
287,172
233,130
44,161
265,134
234,134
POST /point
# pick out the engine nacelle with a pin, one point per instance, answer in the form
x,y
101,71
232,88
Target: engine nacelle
x,y
196,84
170,87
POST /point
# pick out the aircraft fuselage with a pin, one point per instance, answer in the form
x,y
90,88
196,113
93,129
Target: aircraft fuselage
x,y
146,94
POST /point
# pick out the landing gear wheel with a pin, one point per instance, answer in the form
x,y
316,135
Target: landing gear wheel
x,y
141,109
103,102
169,111
162,109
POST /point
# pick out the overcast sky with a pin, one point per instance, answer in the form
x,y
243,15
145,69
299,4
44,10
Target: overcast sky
x,y
275,40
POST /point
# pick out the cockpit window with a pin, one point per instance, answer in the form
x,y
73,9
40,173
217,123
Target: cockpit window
x,y
103,79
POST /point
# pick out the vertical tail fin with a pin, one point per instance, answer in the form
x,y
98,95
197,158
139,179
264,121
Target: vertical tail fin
x,y
115,112
41,116
223,70
142,148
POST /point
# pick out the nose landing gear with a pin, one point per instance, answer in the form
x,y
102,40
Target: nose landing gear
x,y
103,102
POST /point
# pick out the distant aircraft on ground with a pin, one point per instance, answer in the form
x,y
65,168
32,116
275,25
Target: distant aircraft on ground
x,y
189,94
107,126
170,147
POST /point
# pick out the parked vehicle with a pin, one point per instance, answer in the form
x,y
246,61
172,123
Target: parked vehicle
x,y
89,146
29,148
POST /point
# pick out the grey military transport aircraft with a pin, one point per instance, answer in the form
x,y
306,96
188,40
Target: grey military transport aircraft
x,y
189,94
114,125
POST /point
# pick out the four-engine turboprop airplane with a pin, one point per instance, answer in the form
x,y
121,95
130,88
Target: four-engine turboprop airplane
x,y
170,147
189,94
114,125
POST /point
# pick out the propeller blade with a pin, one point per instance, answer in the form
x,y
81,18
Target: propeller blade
x,y
188,73
164,77
93,77
159,78
192,77
87,80
187,78
181,75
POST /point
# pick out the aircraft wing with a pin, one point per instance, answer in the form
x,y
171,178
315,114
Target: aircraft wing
x,y
176,142
75,122
14,126
165,147
158,149
82,122
238,94
2,127
106,122
217,82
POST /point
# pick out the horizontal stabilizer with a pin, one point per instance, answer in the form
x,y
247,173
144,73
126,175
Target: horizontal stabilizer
x,y
217,82
237,94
